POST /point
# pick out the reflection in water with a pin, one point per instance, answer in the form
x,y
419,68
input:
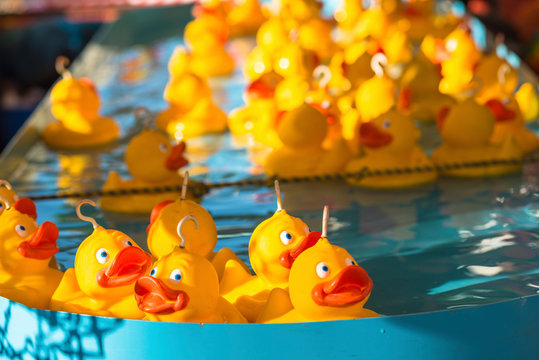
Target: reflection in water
x,y
29,333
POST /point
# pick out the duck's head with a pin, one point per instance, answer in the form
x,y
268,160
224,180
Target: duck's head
x,y
292,60
496,76
206,33
166,228
302,128
391,131
457,129
419,78
326,283
25,247
71,95
108,262
263,87
182,286
178,64
272,35
185,90
7,192
459,43
150,157
276,243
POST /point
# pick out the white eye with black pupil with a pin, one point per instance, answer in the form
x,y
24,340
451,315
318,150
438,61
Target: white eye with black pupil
x,y
322,270
127,242
350,261
21,230
176,275
154,271
102,255
286,237
163,148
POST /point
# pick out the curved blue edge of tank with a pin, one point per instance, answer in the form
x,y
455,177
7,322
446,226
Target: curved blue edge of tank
x,y
505,330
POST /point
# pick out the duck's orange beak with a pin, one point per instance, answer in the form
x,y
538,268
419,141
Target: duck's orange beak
x,y
42,245
405,99
348,287
156,211
441,116
126,267
289,255
371,136
500,111
262,88
27,207
176,160
153,296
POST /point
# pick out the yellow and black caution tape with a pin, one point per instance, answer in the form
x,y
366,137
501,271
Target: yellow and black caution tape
x,y
198,188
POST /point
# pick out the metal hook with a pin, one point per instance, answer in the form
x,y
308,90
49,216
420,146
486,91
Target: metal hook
x,y
142,112
179,228
83,217
325,217
5,201
377,61
184,185
278,194
61,65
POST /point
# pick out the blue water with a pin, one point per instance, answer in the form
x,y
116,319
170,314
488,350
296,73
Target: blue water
x,y
444,245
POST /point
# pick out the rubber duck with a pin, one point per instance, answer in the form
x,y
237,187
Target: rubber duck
x,y
107,264
496,77
184,286
27,250
205,37
191,110
153,161
7,192
75,104
273,247
509,121
389,142
528,101
419,95
467,141
164,231
302,132
376,95
326,283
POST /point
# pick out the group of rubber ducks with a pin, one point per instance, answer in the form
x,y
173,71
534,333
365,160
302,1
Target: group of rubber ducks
x,y
299,274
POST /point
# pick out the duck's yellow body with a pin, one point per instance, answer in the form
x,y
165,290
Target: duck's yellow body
x,y
389,142
184,287
107,264
26,252
75,104
325,284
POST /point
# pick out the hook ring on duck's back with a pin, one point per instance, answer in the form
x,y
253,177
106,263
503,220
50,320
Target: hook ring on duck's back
x,y
6,202
144,113
179,228
83,217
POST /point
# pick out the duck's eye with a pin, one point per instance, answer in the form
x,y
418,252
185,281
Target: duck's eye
x,y
286,237
350,261
21,230
102,255
176,275
322,270
386,124
307,230
154,271
163,147
127,242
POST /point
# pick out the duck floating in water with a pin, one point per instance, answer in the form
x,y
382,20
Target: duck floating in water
x,y
26,251
164,231
184,287
273,247
75,104
153,162
302,132
468,141
389,142
325,283
107,265
191,112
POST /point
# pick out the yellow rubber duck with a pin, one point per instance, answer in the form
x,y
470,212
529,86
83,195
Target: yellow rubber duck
x,y
302,132
469,141
152,161
273,248
164,233
184,286
389,142
205,37
419,95
325,283
509,121
376,95
528,101
7,192
75,104
107,265
27,250
192,111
